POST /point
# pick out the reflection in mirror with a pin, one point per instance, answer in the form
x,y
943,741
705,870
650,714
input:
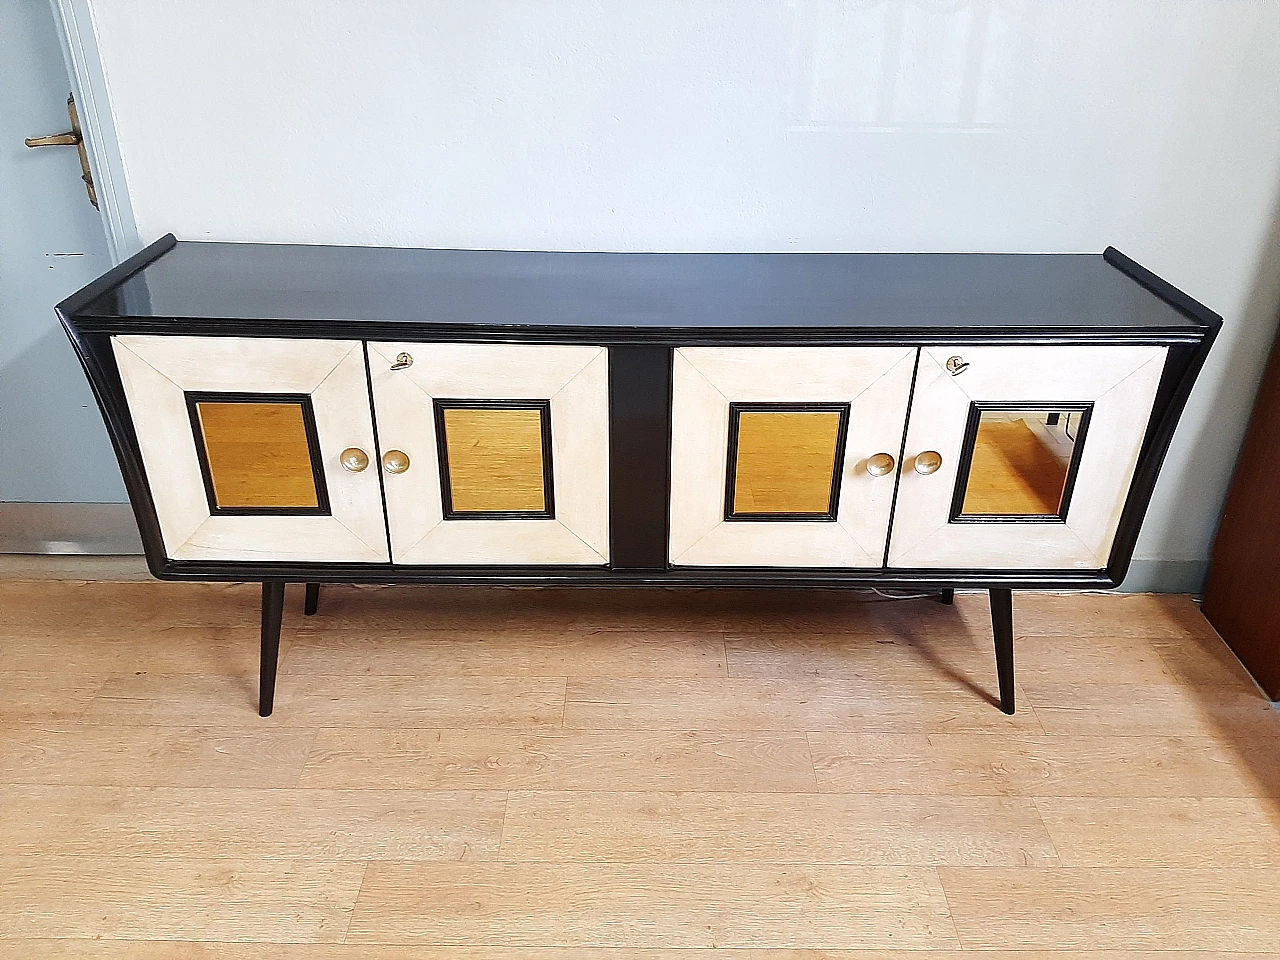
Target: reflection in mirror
x,y
1022,462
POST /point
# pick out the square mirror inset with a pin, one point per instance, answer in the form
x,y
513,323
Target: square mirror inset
x,y
495,458
258,453
785,461
1021,462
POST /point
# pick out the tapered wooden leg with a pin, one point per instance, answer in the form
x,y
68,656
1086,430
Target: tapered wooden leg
x,y
272,613
947,596
1002,626
313,599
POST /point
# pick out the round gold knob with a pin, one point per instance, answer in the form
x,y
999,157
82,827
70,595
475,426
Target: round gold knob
x,y
880,464
395,461
928,462
403,361
353,459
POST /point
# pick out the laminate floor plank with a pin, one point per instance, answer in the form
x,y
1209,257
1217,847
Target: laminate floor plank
x,y
1035,613
774,828
1203,661
359,701
213,650
810,705
129,756
642,905
968,765
248,824
195,950
1163,831
132,608
374,608
962,662
1103,614
509,652
128,898
45,604
644,609
1127,710
564,760
38,697
855,614
1000,908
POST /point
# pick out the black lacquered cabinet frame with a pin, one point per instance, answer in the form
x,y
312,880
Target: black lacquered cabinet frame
x,y
616,384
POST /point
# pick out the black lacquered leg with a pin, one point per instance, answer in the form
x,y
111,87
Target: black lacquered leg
x,y
272,613
313,599
947,596
1002,626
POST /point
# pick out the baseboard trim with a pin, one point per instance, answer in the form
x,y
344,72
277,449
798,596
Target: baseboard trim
x,y
69,528
1165,576
108,529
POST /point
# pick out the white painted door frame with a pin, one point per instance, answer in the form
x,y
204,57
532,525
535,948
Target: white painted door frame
x,y
93,101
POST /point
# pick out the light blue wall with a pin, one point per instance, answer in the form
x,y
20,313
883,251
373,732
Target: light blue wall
x,y
53,446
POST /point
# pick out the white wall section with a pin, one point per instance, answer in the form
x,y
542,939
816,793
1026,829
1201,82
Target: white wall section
x,y
1001,125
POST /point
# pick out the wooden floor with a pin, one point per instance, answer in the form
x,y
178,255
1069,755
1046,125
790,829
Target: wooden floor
x,y
513,775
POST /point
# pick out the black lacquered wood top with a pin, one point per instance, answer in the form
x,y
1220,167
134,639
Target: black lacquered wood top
x,y
487,292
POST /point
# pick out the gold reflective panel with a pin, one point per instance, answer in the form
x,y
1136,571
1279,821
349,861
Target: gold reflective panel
x,y
258,454
785,462
494,460
1021,461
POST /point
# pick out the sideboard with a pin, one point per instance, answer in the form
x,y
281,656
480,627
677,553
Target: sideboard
x,y
354,414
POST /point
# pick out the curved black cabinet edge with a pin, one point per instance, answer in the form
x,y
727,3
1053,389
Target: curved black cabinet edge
x,y
1166,291
117,275
99,363
1181,369
399,332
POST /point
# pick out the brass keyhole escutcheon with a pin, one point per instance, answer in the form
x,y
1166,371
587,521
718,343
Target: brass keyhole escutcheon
x,y
880,465
928,462
395,461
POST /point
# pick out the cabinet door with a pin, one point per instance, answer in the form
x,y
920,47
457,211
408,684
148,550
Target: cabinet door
x,y
499,452
1021,457
243,441
784,456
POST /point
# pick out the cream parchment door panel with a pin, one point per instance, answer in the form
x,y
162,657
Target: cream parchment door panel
x,y
507,447
242,441
1082,408
803,422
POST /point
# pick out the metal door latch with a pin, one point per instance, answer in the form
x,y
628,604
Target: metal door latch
x,y
72,138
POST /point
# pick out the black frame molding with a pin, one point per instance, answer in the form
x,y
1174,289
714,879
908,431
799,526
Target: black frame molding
x,y
976,409
640,385
548,512
193,400
837,468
